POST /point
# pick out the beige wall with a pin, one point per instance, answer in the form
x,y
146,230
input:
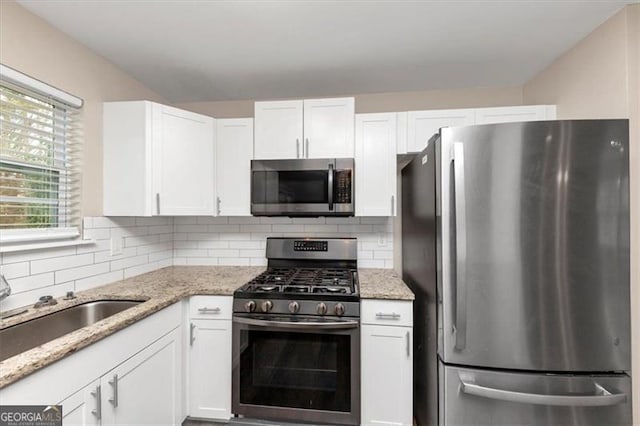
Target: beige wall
x,y
600,78
32,46
385,102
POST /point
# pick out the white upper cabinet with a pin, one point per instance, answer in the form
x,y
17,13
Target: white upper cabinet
x,y
375,164
234,151
329,128
517,113
278,130
313,128
422,125
158,160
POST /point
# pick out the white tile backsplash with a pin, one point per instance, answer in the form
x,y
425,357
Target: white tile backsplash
x,y
150,243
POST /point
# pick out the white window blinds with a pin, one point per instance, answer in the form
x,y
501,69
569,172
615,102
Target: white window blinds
x,y
39,161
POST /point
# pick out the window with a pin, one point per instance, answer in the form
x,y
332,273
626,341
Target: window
x,y
39,164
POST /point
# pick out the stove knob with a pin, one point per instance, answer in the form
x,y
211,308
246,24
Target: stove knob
x,y
321,309
250,306
267,305
294,307
339,309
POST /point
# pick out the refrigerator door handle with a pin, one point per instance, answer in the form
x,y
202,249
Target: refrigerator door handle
x,y
601,397
460,220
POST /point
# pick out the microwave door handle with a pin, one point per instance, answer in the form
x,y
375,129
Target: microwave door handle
x,y
330,188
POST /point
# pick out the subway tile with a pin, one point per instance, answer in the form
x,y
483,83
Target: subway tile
x,y
160,229
203,236
245,220
57,263
343,220
190,252
374,220
231,261
191,228
388,264
365,254
165,262
105,256
371,263
81,272
179,261
129,262
213,244
235,236
154,221
139,269
223,228
97,234
255,228
252,253
180,236
87,222
288,228
275,220
113,222
383,254
98,245
211,220
15,270
321,228
185,220
244,244
202,261
258,261
186,244
98,280
224,253
31,282
308,220
355,228
160,255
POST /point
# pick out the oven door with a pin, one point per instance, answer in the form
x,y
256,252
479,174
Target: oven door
x,y
302,369
302,187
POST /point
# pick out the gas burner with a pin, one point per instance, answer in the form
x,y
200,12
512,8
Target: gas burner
x,y
334,290
267,288
296,289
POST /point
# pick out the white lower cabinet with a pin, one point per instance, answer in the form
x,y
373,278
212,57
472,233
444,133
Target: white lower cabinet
x,y
146,388
210,360
387,364
142,390
82,407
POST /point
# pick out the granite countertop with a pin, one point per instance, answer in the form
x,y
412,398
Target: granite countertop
x,y
158,290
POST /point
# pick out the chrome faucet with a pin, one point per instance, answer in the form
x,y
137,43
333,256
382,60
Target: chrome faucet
x,y
5,288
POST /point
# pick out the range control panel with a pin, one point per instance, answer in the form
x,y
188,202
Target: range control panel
x,y
303,245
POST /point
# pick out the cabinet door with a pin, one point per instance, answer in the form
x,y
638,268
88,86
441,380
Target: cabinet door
x,y
514,113
83,407
375,164
210,369
422,125
234,151
278,130
387,399
145,389
329,128
183,162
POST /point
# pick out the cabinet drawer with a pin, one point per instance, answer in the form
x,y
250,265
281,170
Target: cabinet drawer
x,y
387,312
211,307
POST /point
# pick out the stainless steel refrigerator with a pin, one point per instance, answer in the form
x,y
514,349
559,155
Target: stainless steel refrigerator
x,y
515,240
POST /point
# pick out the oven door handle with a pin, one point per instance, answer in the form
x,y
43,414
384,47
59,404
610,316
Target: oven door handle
x,y
338,325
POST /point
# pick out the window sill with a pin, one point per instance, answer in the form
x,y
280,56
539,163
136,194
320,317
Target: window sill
x,y
14,247
36,239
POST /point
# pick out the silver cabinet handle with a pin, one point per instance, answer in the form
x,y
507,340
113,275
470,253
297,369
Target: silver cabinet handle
x,y
97,394
307,148
192,334
158,203
114,385
297,148
393,205
601,399
408,344
218,206
460,326
206,310
392,315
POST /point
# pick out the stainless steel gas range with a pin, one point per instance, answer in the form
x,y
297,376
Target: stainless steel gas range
x,y
296,335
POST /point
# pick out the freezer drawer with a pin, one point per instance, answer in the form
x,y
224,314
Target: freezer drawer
x,y
481,397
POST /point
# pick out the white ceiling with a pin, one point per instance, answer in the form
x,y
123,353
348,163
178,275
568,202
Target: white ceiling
x,y
224,50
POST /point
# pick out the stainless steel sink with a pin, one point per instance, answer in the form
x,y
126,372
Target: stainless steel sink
x,y
27,335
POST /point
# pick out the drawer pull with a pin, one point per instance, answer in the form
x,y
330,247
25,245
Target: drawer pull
x,y
392,315
206,310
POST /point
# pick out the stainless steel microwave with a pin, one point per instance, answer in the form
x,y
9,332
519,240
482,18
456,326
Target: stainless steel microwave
x,y
303,187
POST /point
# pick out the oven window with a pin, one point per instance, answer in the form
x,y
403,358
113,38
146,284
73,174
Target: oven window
x,y
295,370
290,187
